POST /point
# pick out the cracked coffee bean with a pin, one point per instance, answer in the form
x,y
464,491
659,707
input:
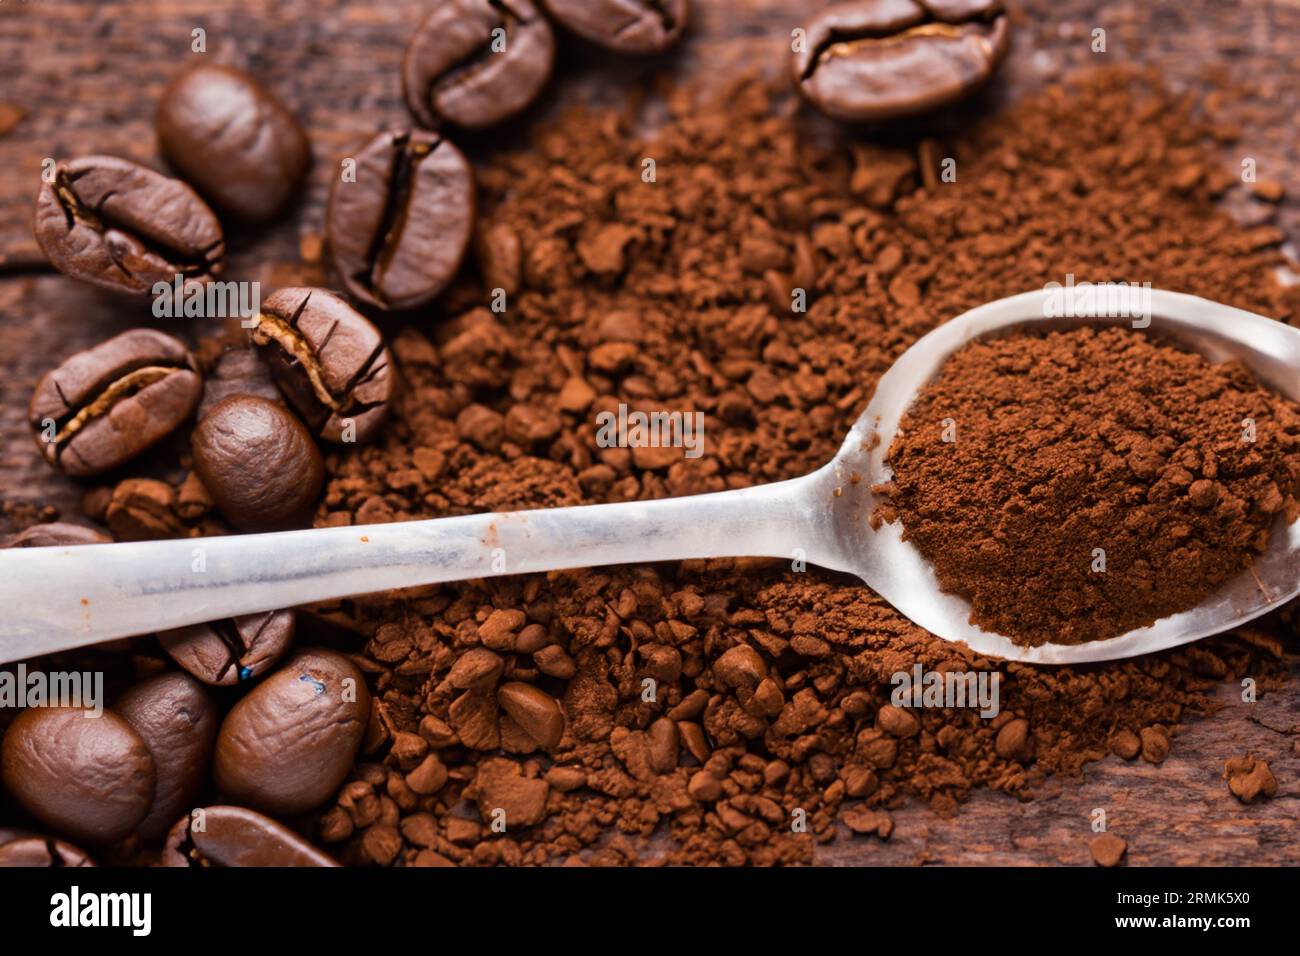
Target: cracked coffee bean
x,y
225,653
177,720
226,134
104,406
329,360
625,26
34,851
885,59
143,509
258,463
287,745
88,778
397,234
123,227
474,63
235,836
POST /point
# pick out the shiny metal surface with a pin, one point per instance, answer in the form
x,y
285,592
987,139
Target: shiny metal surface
x,y
59,598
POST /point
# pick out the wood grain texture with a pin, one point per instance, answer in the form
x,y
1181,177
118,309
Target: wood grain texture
x,y
1179,813
84,76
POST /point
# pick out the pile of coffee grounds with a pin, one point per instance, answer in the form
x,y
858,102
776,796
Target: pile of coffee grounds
x,y
770,717
1078,484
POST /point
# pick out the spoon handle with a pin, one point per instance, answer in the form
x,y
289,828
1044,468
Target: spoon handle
x,y
63,597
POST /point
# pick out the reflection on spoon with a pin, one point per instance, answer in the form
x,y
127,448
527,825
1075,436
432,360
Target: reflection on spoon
x,y
58,598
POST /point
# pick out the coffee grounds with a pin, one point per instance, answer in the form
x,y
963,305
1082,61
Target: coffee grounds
x,y
1108,849
771,717
1076,485
1249,778
771,727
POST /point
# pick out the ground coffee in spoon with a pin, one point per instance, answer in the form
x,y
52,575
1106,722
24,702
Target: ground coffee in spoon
x,y
1078,484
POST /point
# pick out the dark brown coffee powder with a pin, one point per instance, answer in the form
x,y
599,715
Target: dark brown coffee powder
x,y
771,729
772,686
1078,484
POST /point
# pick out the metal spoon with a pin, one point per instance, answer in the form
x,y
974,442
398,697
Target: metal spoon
x,y
59,598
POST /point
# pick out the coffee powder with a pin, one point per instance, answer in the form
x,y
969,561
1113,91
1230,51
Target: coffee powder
x,y
1078,484
769,720
771,687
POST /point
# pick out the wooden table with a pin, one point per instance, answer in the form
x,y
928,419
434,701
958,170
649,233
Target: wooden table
x,y
86,75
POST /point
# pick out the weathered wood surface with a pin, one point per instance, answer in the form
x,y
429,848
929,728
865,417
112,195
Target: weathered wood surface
x,y
1179,813
86,75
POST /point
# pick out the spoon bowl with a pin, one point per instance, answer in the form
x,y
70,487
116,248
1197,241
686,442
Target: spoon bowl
x,y
897,571
57,598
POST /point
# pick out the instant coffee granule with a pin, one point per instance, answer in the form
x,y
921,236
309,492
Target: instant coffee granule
x,y
1079,484
732,711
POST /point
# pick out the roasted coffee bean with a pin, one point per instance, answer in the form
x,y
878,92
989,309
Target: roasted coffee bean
x,y
123,227
237,372
398,233
329,360
885,59
54,534
104,406
34,851
143,509
228,652
475,63
626,26
233,140
287,746
234,836
177,720
259,464
89,778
